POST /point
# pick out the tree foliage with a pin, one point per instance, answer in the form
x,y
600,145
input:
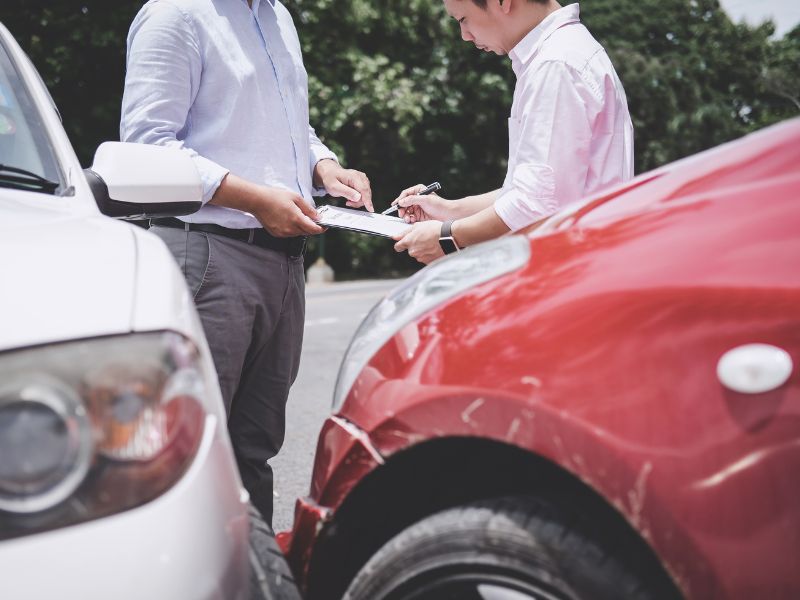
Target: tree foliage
x,y
396,92
693,78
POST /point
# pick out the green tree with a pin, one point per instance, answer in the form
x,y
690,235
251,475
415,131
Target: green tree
x,y
693,78
397,94
781,79
79,49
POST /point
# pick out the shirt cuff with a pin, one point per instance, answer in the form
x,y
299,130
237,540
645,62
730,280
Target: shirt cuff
x,y
528,197
211,176
317,154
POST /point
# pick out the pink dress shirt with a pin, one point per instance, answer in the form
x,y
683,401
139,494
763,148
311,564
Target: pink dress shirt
x,y
570,133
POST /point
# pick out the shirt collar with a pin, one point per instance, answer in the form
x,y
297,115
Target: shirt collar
x,y
528,46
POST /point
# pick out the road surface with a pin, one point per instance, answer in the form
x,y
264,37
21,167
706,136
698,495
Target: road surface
x,y
333,312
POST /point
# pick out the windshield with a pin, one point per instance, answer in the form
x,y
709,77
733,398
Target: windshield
x,y
26,154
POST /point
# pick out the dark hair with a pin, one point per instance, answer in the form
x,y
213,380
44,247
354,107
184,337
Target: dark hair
x,y
482,3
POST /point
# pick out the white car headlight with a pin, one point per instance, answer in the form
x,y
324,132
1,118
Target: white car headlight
x,y
426,289
94,427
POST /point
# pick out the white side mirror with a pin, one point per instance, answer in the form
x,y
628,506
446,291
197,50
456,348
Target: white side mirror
x,y
142,181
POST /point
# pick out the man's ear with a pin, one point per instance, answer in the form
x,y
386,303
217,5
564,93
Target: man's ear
x,y
505,5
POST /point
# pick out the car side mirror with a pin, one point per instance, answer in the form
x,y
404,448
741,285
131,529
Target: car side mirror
x,y
141,181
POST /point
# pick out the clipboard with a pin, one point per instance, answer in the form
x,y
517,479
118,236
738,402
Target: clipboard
x,y
361,221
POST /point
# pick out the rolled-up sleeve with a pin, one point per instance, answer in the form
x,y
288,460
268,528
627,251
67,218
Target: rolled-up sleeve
x,y
318,152
550,136
164,67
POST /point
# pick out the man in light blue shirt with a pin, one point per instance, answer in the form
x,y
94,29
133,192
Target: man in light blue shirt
x,y
224,81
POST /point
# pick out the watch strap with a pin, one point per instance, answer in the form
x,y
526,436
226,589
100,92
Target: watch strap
x,y
447,229
446,239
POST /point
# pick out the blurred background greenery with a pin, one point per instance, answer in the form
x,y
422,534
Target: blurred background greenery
x,y
396,93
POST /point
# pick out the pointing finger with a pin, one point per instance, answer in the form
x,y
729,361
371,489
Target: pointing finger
x,y
340,190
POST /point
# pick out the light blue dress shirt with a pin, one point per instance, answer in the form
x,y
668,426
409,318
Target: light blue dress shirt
x,y
225,83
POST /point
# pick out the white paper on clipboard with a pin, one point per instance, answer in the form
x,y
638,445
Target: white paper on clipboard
x,y
361,221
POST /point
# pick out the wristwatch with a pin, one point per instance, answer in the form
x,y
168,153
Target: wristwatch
x,y
446,239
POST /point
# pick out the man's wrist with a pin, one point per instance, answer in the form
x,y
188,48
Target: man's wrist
x,y
320,168
446,239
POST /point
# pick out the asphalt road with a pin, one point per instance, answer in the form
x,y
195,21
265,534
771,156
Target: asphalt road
x,y
333,312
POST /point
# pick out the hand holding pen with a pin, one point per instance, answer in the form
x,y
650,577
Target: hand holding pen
x,y
411,210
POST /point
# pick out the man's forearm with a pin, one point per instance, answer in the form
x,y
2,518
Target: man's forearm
x,y
238,193
479,227
472,205
281,212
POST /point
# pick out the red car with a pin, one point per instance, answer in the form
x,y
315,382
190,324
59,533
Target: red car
x,y
605,407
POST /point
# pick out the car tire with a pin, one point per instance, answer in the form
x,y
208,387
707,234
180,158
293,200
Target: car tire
x,y
270,576
508,548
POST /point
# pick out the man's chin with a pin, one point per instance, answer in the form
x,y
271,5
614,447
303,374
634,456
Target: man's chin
x,y
499,52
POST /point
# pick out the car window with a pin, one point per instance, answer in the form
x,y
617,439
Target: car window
x,y
25,148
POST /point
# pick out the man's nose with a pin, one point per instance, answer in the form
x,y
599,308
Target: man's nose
x,y
465,34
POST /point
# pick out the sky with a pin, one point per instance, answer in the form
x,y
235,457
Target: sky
x,y
785,13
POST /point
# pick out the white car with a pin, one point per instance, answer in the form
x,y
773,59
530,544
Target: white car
x,y
117,477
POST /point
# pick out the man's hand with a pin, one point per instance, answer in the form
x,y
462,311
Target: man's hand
x,y
281,212
414,208
421,241
285,214
344,183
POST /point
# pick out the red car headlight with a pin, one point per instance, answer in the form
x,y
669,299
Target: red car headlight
x,y
438,282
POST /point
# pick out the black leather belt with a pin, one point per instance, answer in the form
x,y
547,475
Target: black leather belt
x,y
292,246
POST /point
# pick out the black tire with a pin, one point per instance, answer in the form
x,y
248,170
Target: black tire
x,y
505,546
270,576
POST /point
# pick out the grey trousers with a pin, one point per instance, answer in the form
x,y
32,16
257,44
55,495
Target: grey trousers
x,y
251,302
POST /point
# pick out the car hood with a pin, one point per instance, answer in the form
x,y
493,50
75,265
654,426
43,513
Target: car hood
x,y
66,272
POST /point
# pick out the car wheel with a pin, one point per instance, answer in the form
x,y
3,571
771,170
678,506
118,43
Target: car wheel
x,y
504,549
270,576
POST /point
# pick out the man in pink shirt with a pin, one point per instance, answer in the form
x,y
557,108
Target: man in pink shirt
x,y
570,133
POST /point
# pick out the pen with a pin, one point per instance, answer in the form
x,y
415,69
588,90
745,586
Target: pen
x,y
434,187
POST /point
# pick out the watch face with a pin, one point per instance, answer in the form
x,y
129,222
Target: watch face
x,y
448,245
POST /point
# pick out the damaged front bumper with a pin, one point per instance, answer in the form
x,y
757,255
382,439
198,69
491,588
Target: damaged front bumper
x,y
345,454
